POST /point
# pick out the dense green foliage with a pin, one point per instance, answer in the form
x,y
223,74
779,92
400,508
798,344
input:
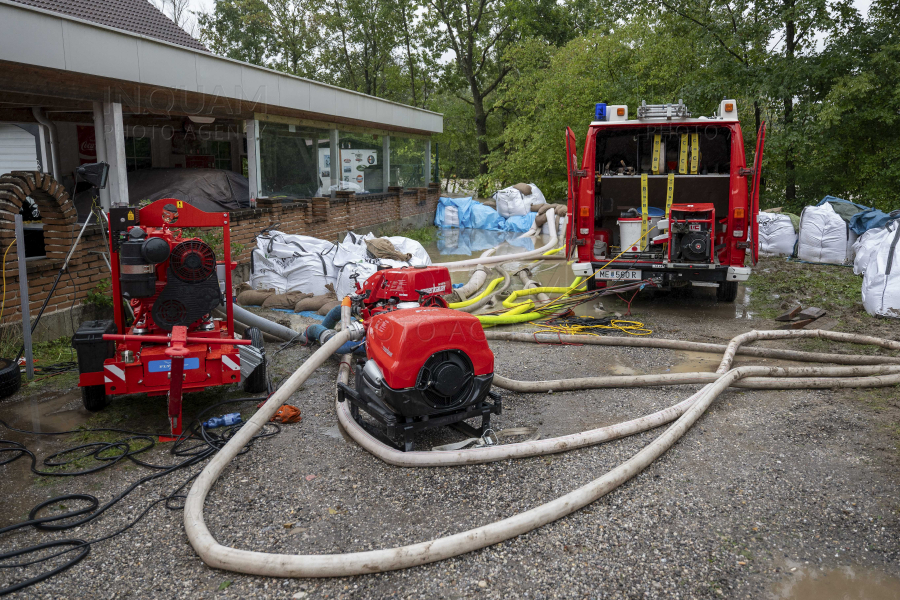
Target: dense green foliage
x,y
510,75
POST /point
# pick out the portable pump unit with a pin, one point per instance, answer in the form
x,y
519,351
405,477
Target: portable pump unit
x,y
171,284
691,232
427,365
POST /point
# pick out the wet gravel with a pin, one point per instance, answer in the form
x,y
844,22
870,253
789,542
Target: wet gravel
x,y
764,478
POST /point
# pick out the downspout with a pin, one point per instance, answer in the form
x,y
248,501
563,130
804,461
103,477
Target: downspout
x,y
54,139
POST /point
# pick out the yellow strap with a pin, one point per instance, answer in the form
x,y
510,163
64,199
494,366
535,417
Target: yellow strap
x,y
695,152
644,209
670,193
655,164
683,156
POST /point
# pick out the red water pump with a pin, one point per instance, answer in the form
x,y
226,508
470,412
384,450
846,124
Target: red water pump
x,y
169,281
427,365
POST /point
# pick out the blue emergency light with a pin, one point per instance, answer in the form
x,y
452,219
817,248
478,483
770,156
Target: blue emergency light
x,y
600,111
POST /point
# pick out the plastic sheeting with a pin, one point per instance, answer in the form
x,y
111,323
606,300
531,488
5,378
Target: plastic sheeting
x,y
825,237
467,213
466,242
511,202
871,218
210,190
881,283
776,235
869,243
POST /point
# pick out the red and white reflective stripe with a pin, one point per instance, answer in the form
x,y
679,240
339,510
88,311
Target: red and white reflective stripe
x,y
232,362
112,371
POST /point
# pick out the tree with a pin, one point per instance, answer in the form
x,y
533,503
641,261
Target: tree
x,y
477,32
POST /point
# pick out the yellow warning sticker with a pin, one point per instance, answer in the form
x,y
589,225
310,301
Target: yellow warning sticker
x,y
179,204
131,215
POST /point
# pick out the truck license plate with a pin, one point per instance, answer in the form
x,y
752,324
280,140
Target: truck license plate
x,y
619,274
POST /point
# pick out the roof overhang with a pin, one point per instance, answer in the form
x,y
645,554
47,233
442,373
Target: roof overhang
x,y
52,55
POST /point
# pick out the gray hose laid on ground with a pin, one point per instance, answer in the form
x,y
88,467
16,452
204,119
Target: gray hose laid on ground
x,y
265,325
475,283
643,342
355,563
528,283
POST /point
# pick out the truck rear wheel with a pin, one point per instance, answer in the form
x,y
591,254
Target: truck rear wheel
x,y
727,291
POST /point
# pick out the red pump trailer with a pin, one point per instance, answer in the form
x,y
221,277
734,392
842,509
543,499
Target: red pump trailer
x,y
171,284
684,181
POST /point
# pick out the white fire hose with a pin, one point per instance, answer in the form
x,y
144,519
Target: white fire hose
x,y
338,565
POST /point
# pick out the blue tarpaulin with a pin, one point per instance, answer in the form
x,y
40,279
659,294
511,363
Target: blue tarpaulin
x,y
871,218
475,215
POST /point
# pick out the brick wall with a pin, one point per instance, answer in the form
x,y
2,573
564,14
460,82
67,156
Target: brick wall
x,y
324,218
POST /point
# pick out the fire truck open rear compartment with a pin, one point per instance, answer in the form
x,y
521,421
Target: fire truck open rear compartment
x,y
664,198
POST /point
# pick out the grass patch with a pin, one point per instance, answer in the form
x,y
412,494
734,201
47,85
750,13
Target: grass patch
x,y
777,284
423,235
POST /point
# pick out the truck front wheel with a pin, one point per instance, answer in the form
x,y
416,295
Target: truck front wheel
x,y
727,291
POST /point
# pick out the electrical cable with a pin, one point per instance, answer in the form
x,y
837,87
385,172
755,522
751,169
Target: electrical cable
x,y
207,444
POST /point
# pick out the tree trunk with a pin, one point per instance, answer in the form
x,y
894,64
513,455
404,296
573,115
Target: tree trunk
x,y
790,176
480,129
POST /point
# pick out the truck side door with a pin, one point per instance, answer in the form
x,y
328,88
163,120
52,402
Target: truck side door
x,y
572,193
754,193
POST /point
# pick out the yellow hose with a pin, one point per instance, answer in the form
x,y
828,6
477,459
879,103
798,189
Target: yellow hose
x,y
517,313
470,301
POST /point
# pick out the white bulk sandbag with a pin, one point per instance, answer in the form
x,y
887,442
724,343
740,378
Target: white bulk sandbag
x,y
868,243
451,216
881,283
305,263
824,236
776,235
536,196
407,245
511,203
283,245
266,274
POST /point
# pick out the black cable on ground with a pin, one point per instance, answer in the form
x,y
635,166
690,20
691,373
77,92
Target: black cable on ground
x,y
195,445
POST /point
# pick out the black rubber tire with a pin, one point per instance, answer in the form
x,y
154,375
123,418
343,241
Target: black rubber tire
x,y
256,382
591,284
10,377
727,291
94,397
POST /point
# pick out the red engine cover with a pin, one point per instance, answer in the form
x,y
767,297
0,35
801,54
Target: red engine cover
x,y
402,283
401,341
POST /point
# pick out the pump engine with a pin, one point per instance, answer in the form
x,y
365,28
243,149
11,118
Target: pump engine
x,y
427,365
691,230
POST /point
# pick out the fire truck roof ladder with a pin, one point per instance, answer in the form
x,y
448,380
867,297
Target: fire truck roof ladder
x,y
663,111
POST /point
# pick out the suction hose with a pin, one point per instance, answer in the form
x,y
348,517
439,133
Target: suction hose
x,y
490,292
266,326
340,565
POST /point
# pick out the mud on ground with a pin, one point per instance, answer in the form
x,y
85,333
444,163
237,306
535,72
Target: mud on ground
x,y
767,490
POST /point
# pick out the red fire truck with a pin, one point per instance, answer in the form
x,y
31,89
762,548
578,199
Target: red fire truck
x,y
664,198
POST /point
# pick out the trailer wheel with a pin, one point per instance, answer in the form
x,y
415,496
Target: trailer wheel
x,y
727,291
94,397
256,382
10,377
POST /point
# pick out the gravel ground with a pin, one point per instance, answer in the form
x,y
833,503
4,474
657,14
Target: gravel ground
x,y
765,480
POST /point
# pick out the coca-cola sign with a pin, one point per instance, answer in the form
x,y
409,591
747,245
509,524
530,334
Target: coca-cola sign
x,y
87,144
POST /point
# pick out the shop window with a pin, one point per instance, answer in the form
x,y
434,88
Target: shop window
x,y
294,161
362,167
137,153
220,153
408,162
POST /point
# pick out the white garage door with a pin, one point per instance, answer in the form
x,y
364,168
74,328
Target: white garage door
x,y
17,150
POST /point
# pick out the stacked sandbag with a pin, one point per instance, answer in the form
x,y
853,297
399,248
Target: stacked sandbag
x,y
881,283
869,243
292,263
825,237
358,257
777,236
517,199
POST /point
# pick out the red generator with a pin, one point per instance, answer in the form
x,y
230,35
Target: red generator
x,y
171,284
427,365
692,229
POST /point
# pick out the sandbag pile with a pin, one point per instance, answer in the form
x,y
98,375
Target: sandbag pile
x,y
777,236
881,282
517,199
825,237
302,273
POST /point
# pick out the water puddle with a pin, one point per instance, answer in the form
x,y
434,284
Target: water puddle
x,y
843,583
693,362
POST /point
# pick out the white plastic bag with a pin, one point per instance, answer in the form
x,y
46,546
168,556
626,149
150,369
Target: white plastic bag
x,y
420,257
868,243
776,235
824,236
881,283
536,196
265,274
304,263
